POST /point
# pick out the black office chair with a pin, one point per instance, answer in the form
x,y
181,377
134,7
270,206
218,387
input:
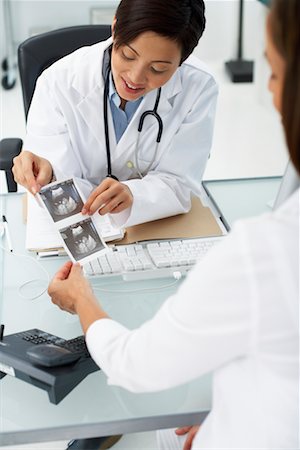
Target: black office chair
x,y
35,55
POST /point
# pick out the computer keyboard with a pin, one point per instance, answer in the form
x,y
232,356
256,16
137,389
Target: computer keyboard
x,y
157,259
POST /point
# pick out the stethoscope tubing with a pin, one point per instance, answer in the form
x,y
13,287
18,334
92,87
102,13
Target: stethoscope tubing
x,y
153,113
106,130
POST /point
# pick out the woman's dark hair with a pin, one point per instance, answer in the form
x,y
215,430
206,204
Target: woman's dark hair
x,y
285,33
180,20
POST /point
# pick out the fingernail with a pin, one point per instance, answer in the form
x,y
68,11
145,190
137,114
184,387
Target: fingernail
x,y
33,190
83,211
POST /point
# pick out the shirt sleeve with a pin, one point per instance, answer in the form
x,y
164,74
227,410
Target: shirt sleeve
x,y
207,323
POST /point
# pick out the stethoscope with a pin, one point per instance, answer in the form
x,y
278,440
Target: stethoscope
x,y
152,112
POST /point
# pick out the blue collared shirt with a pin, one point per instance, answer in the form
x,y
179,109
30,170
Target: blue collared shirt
x,y
121,118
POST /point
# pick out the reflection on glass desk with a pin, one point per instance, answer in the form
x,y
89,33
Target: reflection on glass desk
x,y
93,408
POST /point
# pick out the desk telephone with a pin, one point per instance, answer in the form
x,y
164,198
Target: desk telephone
x,y
46,361
51,355
51,351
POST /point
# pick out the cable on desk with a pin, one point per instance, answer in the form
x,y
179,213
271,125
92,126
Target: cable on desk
x,y
14,254
177,276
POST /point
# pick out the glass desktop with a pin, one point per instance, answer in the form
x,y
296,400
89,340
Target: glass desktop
x,y
93,408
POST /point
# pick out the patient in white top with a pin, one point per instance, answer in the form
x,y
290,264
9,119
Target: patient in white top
x,y
236,314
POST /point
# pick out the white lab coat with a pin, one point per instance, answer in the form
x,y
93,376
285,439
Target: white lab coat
x,y
236,314
65,125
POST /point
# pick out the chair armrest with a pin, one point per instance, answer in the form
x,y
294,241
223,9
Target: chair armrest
x,y
9,148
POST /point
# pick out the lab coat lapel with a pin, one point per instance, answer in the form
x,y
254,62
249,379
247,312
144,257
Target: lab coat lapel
x,y
91,110
90,86
129,138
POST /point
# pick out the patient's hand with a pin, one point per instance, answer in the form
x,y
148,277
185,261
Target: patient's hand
x,y
71,292
32,171
69,287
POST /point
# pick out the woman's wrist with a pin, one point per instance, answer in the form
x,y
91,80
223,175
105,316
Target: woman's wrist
x,y
89,310
82,301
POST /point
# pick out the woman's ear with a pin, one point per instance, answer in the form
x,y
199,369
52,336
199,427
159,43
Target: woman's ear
x,y
113,26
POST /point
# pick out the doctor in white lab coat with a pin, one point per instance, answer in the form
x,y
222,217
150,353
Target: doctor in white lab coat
x,y
65,127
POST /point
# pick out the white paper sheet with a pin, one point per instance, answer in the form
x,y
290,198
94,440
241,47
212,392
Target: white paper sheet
x,y
42,235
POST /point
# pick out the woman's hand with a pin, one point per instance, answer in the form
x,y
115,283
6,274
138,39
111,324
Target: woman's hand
x,y
110,196
191,432
32,171
71,292
69,287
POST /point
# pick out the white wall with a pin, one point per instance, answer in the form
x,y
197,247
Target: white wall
x,y
219,40
28,15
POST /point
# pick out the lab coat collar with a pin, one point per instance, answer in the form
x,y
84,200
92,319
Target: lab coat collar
x,y
90,75
89,84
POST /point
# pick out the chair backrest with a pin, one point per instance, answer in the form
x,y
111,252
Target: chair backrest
x,y
39,52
